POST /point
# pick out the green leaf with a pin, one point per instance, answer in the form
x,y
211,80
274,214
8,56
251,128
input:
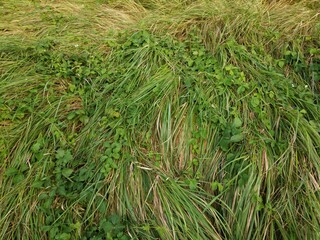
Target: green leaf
x,y
146,227
287,53
71,115
255,101
36,147
116,145
314,51
113,165
115,219
72,87
24,167
203,133
281,63
62,190
60,153
216,186
303,111
271,94
18,178
84,119
236,138
193,184
66,172
241,89
68,156
11,172
190,63
43,196
116,150
124,237
102,208
195,162
37,184
64,236
224,144
76,226
107,144
241,182
116,155
230,156
53,232
237,122
106,226
45,228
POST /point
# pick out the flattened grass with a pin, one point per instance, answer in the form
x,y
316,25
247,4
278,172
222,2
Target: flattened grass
x,y
159,120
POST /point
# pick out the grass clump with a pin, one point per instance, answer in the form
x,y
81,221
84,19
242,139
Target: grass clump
x,y
156,129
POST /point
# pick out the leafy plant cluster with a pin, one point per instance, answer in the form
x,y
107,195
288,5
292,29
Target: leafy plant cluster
x,y
157,127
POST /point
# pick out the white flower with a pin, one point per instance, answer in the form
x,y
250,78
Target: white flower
x,y
305,86
76,45
292,85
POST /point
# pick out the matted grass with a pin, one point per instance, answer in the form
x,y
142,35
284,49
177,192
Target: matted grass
x,y
159,119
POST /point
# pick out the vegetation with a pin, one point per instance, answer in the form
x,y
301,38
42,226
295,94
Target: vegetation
x,y
155,119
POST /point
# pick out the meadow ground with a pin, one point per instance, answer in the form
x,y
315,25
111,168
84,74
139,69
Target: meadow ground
x,y
158,119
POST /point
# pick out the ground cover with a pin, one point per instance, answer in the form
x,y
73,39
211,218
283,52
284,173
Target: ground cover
x,y
159,119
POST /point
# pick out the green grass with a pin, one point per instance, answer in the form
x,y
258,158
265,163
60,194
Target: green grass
x,y
159,119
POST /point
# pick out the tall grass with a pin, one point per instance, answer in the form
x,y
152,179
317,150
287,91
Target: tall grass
x,y
159,120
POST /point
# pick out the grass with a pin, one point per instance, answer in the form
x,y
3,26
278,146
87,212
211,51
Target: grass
x,y
159,119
